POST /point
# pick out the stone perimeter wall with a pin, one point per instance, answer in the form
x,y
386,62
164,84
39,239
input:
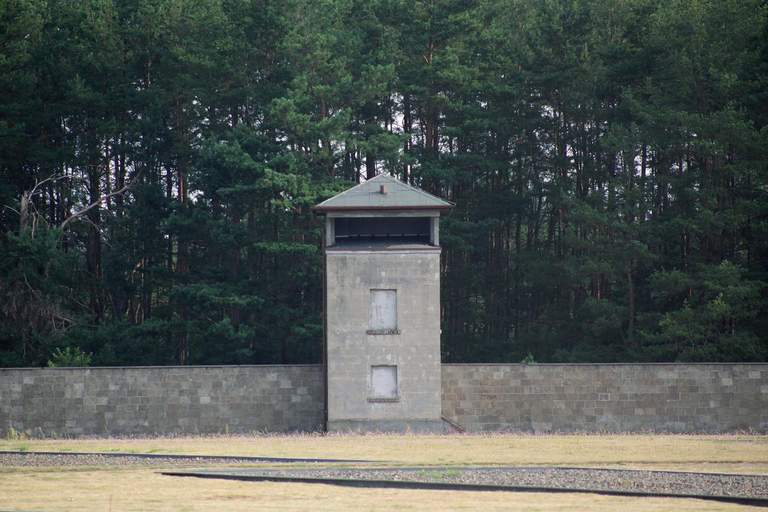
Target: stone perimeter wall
x,y
161,400
607,397
541,398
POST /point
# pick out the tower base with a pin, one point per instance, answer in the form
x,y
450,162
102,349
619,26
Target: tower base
x,y
396,426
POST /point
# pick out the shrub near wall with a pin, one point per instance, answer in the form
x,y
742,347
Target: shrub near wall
x,y
612,397
149,400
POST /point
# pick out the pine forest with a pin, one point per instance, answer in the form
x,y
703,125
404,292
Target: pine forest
x,y
159,158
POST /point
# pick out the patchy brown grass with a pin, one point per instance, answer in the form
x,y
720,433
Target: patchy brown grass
x,y
494,449
25,488
148,490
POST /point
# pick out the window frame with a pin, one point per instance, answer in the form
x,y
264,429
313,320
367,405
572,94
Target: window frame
x,y
393,395
382,329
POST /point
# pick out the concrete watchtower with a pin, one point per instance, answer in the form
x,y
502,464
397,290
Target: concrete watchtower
x,y
382,282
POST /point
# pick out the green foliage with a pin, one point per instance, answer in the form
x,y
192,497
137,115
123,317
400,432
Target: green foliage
x,y
709,314
158,163
69,357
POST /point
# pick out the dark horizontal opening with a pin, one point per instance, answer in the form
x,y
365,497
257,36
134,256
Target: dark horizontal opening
x,y
389,229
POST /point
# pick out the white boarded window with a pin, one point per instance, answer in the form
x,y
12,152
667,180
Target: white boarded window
x,y
383,310
384,382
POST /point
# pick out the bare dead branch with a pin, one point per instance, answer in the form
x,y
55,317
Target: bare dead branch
x,y
26,201
52,177
93,205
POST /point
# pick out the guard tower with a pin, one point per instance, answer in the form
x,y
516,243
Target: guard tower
x,y
382,282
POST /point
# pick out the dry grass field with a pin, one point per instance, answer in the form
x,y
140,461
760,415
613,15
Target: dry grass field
x,y
144,488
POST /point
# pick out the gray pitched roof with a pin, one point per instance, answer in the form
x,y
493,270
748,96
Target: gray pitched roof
x,y
368,196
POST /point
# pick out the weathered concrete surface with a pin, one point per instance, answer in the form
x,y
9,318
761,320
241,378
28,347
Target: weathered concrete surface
x,y
414,348
149,400
585,397
607,397
401,426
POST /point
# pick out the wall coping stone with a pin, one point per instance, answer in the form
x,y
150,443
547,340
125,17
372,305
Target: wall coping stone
x,y
319,365
747,363
190,367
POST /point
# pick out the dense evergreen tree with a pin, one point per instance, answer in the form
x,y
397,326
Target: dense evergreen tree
x,y
608,159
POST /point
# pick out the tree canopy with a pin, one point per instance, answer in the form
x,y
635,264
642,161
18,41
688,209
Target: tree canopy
x,y
608,160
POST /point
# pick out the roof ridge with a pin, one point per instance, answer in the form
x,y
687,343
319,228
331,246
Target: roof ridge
x,y
367,187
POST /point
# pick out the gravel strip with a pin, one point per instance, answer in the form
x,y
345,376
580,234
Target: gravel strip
x,y
100,459
731,485
747,486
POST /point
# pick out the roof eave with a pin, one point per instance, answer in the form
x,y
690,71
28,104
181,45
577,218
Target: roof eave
x,y
325,209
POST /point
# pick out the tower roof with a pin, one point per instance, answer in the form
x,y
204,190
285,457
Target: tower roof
x,y
383,192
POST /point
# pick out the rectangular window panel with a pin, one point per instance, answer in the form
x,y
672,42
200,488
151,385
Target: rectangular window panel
x,y
384,382
383,310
